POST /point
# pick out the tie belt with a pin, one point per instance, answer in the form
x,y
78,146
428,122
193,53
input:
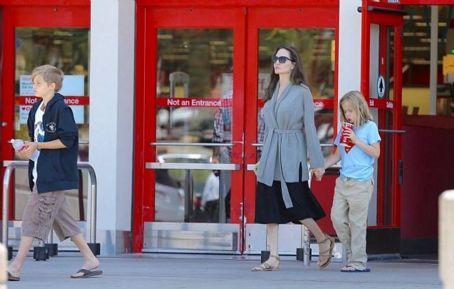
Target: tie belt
x,y
284,189
280,131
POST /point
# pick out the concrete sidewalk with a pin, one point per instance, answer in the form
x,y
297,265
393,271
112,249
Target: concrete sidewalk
x,y
169,271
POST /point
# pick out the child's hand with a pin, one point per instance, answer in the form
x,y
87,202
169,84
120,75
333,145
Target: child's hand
x,y
351,135
27,151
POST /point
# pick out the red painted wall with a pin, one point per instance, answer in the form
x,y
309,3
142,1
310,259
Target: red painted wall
x,y
427,153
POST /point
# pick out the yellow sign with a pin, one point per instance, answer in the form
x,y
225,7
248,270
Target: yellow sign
x,y
448,64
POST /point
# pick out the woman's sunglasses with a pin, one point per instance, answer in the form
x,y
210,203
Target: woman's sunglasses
x,y
281,59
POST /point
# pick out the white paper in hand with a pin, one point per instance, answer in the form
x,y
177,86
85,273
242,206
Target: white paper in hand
x,y
17,144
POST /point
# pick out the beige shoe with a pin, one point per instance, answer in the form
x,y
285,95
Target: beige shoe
x,y
326,253
13,277
267,265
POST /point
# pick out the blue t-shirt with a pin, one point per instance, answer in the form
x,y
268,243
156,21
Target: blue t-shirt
x,y
356,163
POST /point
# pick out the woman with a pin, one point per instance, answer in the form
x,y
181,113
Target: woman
x,y
283,193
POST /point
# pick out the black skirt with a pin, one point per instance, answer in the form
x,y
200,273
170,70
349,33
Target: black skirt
x,y
270,207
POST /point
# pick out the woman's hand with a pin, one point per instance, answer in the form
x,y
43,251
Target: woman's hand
x,y
318,172
256,167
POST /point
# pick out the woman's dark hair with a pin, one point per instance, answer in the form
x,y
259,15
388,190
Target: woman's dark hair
x,y
296,77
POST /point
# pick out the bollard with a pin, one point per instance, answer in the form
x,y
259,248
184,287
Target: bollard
x,y
446,238
3,266
264,255
40,252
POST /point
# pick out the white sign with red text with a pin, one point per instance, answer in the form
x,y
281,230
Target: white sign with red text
x,y
78,111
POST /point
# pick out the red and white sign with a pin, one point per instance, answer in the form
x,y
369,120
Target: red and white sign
x,y
69,100
381,103
75,102
193,102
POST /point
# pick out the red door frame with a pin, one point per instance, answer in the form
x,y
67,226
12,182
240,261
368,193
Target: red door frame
x,y
228,14
22,13
383,19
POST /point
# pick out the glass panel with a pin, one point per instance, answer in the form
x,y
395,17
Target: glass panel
x,y
374,59
388,141
67,49
316,47
194,93
389,92
317,52
416,39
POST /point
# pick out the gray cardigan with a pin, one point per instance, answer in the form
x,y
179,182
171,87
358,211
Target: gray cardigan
x,y
290,139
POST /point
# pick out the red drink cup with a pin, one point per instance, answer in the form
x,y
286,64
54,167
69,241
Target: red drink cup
x,y
344,139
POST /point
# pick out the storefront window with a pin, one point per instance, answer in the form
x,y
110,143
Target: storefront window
x,y
194,86
416,58
193,64
316,48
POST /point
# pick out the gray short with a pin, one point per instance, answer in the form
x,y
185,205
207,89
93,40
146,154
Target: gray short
x,y
47,209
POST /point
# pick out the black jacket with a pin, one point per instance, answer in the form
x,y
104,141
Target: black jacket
x,y
57,168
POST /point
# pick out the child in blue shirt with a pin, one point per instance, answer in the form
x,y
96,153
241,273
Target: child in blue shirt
x,y
355,185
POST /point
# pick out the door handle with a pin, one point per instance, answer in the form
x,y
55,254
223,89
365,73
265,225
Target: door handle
x,y
251,167
195,144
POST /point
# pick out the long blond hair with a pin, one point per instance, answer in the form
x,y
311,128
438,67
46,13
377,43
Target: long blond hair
x,y
356,99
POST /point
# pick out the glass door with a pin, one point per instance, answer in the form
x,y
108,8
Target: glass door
x,y
193,96
312,31
381,84
200,84
33,36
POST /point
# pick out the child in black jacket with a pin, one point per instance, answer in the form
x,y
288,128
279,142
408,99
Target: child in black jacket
x,y
52,154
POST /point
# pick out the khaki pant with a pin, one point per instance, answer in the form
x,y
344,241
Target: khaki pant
x,y
47,210
349,217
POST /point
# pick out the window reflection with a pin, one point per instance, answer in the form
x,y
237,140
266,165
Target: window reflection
x,y
316,48
67,49
192,63
194,67
204,54
317,52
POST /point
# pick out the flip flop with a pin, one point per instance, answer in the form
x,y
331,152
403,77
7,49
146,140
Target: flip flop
x,y
350,269
85,273
11,277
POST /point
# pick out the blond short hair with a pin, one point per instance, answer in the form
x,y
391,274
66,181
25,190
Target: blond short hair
x,y
50,74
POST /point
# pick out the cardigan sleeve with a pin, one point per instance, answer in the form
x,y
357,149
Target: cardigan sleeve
x,y
314,152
